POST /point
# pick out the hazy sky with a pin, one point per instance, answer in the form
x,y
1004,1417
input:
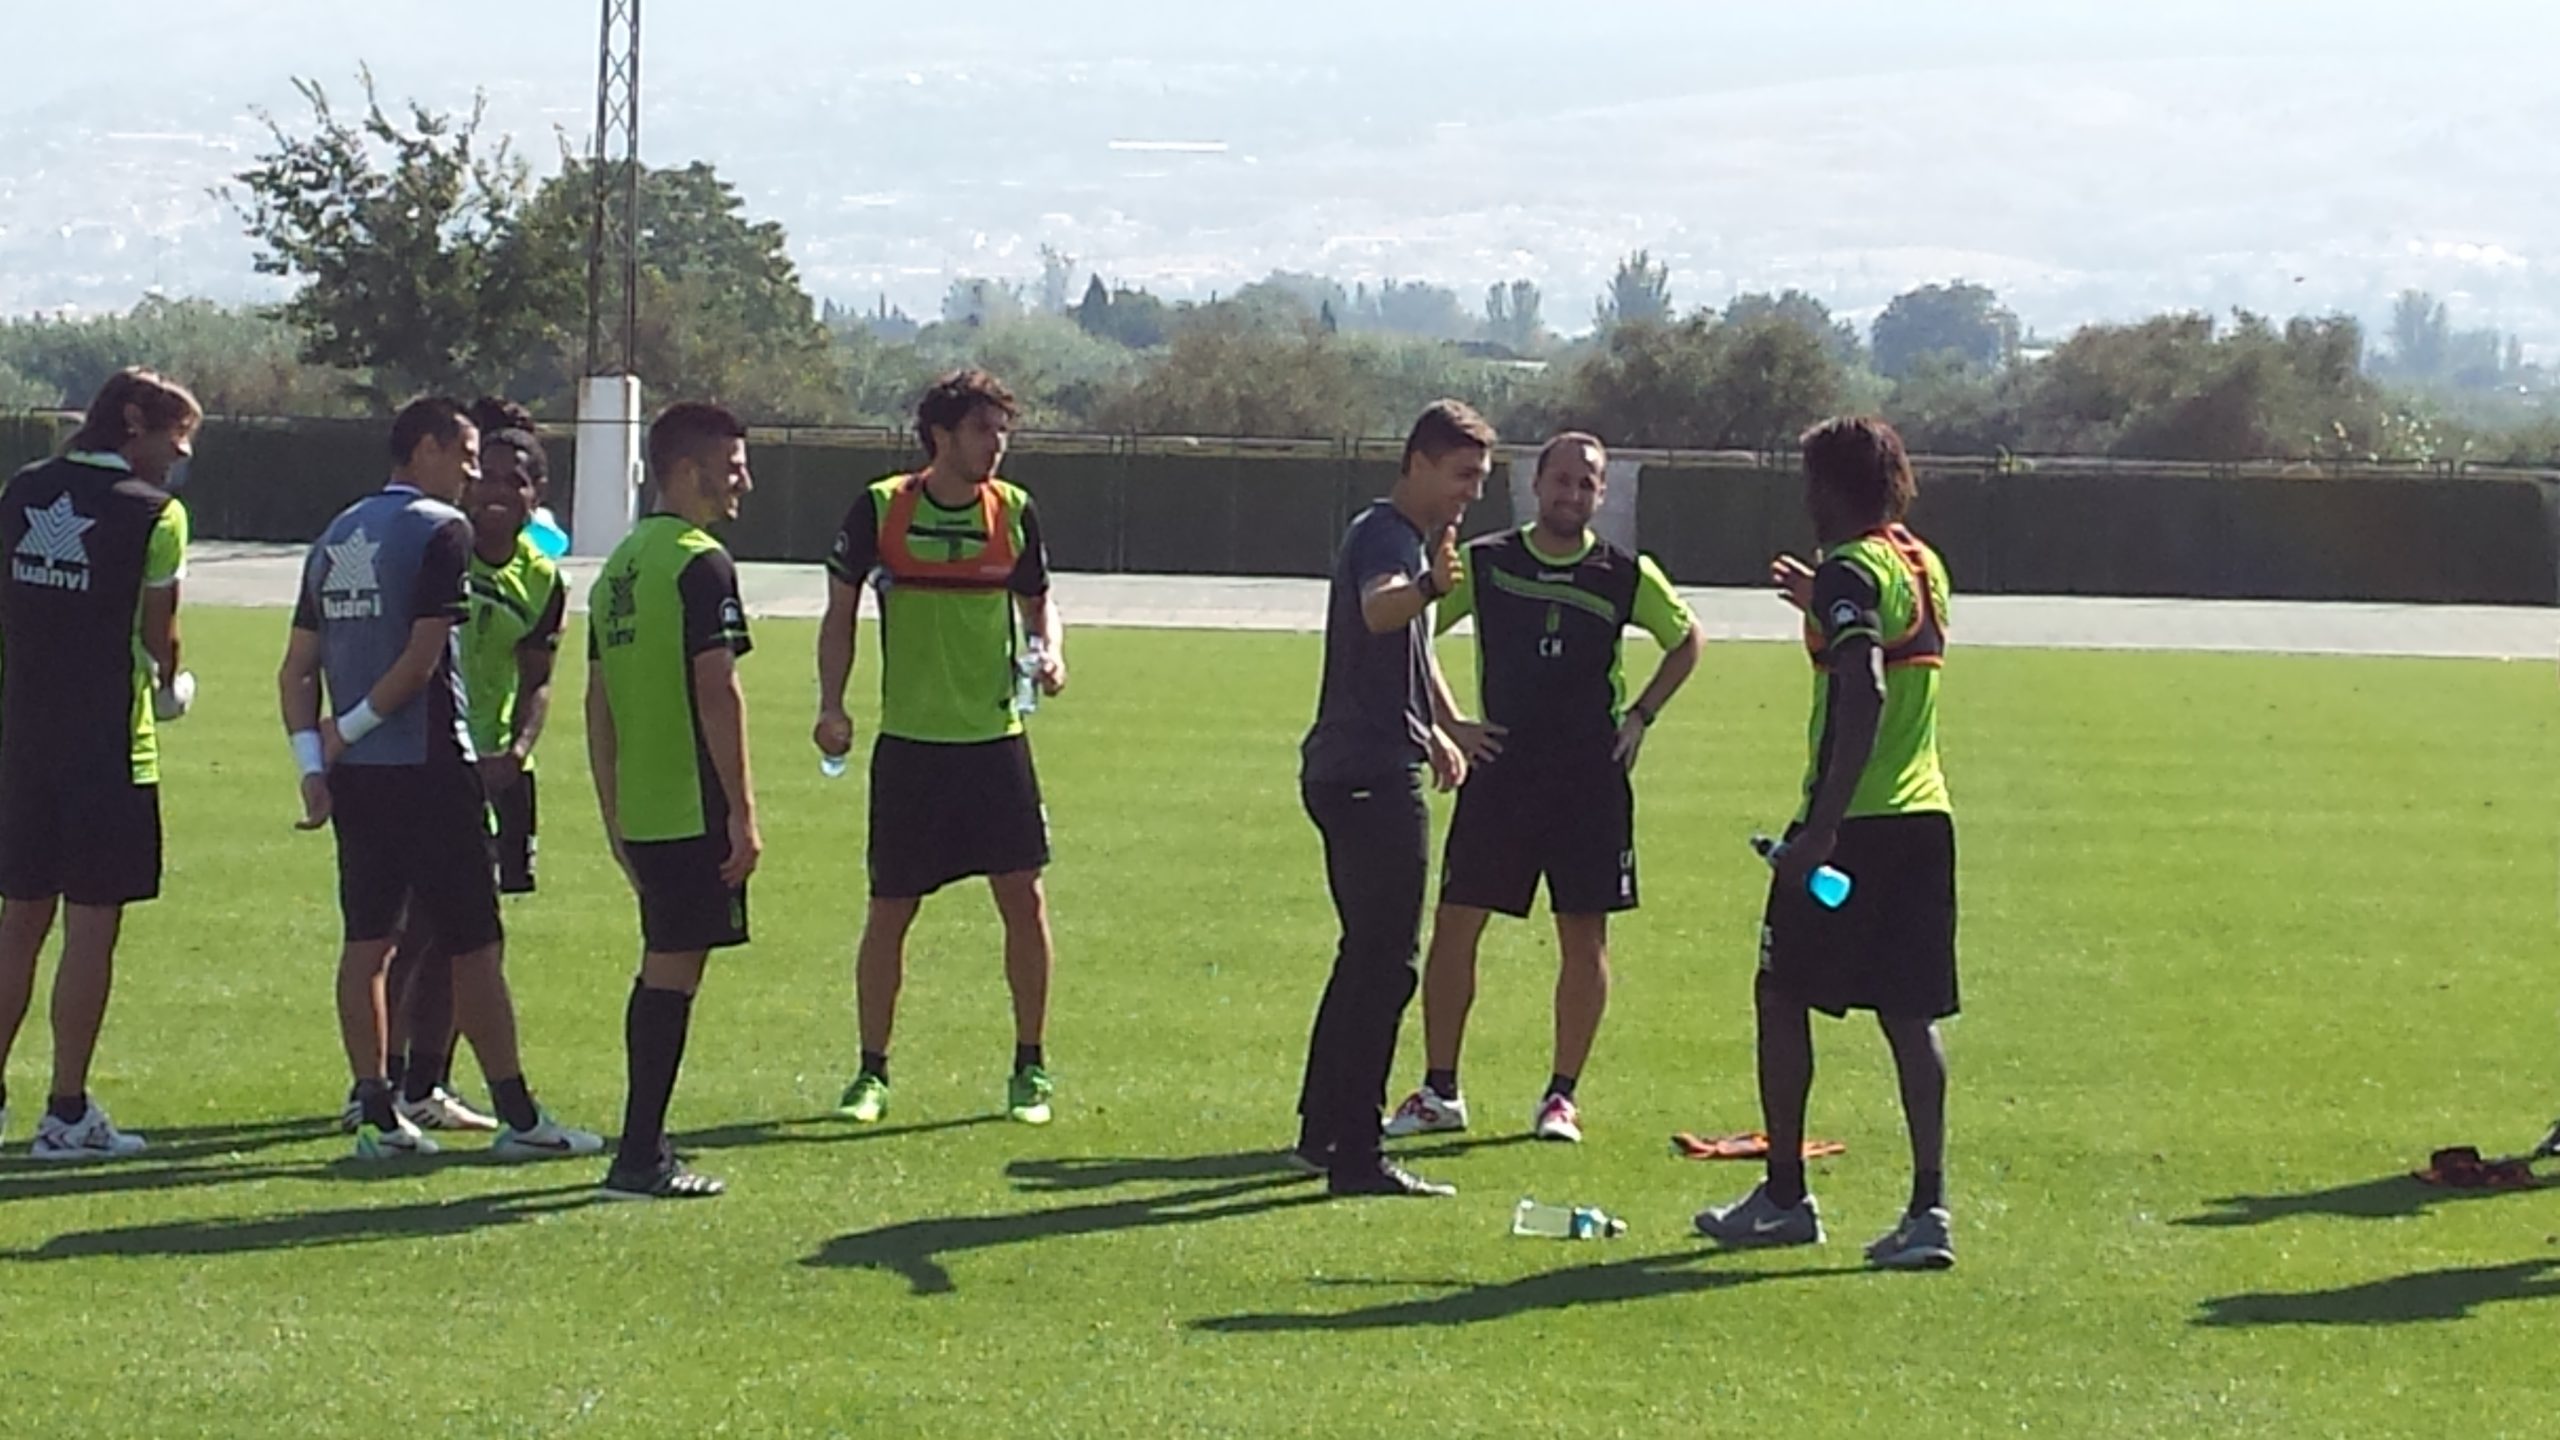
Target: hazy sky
x,y
2097,157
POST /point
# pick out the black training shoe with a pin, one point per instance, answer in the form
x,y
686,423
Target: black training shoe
x,y
669,1181
1387,1178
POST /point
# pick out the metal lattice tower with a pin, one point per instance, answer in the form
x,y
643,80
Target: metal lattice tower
x,y
613,172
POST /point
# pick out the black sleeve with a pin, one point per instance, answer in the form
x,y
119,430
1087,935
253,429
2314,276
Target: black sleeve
x,y
1380,547
442,570
1031,570
306,608
857,546
713,618
545,634
1845,602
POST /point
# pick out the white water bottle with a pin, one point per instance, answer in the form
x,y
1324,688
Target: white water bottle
x,y
1560,1222
1026,676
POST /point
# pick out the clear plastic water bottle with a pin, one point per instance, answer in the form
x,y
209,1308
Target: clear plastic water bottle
x,y
831,766
1830,886
1561,1222
1026,672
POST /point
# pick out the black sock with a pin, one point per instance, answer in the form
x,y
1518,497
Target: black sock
x,y
1443,1083
374,1097
1024,1057
1928,1190
515,1103
1561,1084
425,1074
69,1109
1786,1182
875,1063
396,1069
653,1034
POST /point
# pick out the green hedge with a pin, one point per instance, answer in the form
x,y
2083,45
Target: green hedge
x,y
1162,507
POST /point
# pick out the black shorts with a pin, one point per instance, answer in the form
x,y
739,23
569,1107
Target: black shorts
x,y
1519,820
91,844
514,817
684,904
941,813
1891,947
415,834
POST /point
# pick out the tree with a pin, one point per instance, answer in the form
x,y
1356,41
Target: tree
x,y
1963,319
1513,318
1639,293
975,301
723,313
1132,317
1227,376
2421,334
1701,384
1057,279
1416,307
1795,307
409,238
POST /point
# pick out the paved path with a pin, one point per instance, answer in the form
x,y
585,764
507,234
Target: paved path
x,y
230,573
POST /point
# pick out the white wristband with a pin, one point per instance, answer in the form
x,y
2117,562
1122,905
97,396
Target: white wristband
x,y
359,722
307,752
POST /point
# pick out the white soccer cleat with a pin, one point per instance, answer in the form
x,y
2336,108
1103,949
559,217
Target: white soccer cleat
x,y
548,1140
91,1137
443,1110
1557,1119
1424,1113
402,1139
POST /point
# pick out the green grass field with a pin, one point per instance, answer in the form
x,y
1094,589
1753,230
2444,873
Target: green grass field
x,y
2243,939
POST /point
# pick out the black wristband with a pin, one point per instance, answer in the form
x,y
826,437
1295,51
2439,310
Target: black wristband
x,y
1641,713
1429,585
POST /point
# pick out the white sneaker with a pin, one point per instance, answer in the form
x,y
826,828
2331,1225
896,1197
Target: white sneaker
x,y
401,1139
443,1110
1557,1119
91,1137
1424,1113
548,1140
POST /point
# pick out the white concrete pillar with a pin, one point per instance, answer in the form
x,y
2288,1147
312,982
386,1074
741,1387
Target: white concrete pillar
x,y
610,460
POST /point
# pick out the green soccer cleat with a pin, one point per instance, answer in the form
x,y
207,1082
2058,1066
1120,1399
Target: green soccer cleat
x,y
1026,1095
866,1100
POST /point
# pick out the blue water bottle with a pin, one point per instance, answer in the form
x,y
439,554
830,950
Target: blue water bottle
x,y
546,533
1829,886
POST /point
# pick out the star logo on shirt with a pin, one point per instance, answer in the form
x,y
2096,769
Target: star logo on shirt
x,y
351,565
53,533
1844,613
52,554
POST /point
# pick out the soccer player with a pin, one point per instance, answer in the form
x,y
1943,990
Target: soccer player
x,y
393,771
1876,808
1548,791
1380,718
667,740
956,556
518,604
89,625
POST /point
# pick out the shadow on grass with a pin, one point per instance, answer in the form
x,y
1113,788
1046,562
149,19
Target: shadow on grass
x,y
917,1249
2400,1300
164,1166
315,1229
1644,1277
1105,1172
814,1130
2390,1197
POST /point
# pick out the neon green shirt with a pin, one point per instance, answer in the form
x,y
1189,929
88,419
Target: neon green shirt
x,y
668,594
947,655
1866,588
514,605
